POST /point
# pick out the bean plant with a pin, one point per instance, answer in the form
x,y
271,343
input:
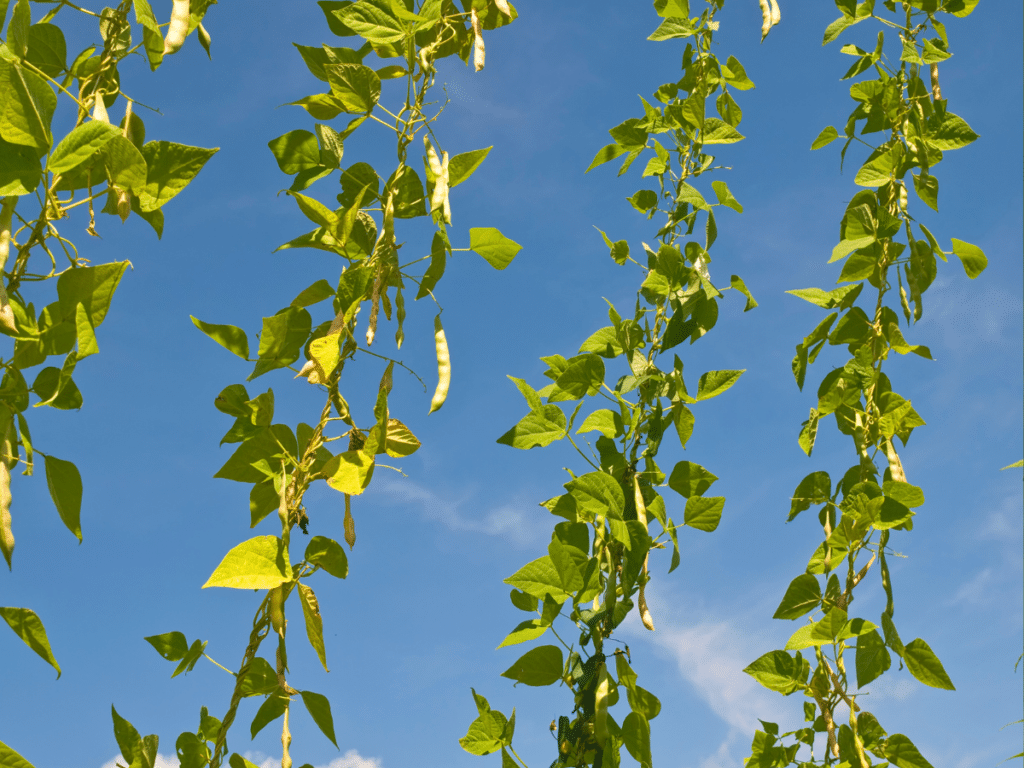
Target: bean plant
x,y
96,167
906,124
401,42
596,568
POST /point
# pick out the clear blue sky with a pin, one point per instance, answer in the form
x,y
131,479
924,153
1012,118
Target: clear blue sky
x,y
415,624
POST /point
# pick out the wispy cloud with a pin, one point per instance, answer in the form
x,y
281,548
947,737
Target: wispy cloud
x,y
976,591
162,761
710,654
513,520
351,759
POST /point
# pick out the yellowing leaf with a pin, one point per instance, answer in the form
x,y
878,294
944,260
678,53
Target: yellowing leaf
x,y
259,563
349,472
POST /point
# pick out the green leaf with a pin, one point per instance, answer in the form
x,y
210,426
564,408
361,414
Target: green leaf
x,y
714,383
125,164
259,563
497,250
372,22
738,285
671,28
20,171
846,247
833,30
265,449
152,39
607,422
827,136
65,484
778,671
927,188
171,168
604,342
689,479
8,757
703,512
597,493
27,103
636,735
606,154
541,426
901,751
328,554
231,337
188,662
319,709
27,625
349,472
540,666
296,151
171,645
282,339
717,131
314,622
138,752
269,711
735,75
946,133
925,665
259,679
582,376
802,596
356,86
725,196
92,287
462,166
872,657
237,761
526,630
84,332
971,256
83,143
539,578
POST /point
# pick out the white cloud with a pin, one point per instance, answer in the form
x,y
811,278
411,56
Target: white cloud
x,y
710,654
976,591
351,759
512,521
162,761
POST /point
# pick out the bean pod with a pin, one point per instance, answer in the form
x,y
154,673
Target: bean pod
x,y
178,28
444,367
478,41
6,217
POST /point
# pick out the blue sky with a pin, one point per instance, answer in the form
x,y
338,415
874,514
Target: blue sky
x,y
415,624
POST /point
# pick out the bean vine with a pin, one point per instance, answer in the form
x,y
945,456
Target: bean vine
x,y
404,40
43,179
861,511
596,569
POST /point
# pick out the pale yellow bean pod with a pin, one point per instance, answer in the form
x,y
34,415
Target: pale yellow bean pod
x,y
444,367
6,218
478,41
178,28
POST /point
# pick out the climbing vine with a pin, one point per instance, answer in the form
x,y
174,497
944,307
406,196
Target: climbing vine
x,y
596,568
43,180
903,110
403,41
